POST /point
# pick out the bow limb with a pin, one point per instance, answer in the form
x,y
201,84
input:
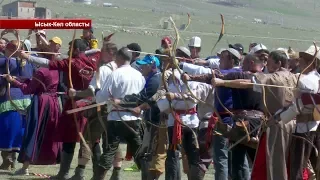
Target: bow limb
x,y
8,71
102,35
99,86
189,22
108,38
175,63
117,107
72,99
311,63
221,33
188,87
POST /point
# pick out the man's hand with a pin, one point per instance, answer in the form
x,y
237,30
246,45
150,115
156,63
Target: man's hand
x,y
116,101
8,78
136,111
23,55
217,82
185,77
72,92
170,96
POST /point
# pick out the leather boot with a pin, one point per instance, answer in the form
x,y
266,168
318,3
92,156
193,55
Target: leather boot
x,y
99,174
96,156
154,175
144,165
196,173
115,174
78,174
66,160
14,160
6,160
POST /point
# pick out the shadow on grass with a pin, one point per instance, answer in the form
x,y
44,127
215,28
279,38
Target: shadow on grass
x,y
16,178
5,173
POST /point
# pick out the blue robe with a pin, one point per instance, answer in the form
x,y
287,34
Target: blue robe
x,y
11,121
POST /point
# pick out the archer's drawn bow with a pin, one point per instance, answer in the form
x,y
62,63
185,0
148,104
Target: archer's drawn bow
x,y
72,99
16,33
221,33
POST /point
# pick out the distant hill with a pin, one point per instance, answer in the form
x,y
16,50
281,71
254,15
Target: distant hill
x,y
140,20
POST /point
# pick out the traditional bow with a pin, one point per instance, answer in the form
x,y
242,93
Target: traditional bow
x,y
309,65
72,99
221,33
175,63
104,39
16,33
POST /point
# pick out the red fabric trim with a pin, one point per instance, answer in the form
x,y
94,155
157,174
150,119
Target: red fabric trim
x,y
305,175
212,122
177,134
259,171
128,156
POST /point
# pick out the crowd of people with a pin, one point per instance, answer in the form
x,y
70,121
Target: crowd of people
x,y
250,114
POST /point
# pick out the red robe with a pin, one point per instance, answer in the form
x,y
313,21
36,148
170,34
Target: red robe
x,y
82,70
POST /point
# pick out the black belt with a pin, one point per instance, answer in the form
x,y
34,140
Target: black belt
x,y
249,114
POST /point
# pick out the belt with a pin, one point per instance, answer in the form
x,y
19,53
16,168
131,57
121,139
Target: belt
x,y
250,113
304,118
244,113
128,105
120,110
186,111
177,135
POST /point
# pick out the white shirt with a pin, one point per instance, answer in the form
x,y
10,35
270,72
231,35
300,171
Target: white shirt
x,y
123,81
191,120
309,81
193,69
214,63
104,71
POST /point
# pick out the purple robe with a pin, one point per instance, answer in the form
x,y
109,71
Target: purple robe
x,y
39,145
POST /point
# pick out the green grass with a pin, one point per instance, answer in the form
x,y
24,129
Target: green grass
x,y
299,17
52,170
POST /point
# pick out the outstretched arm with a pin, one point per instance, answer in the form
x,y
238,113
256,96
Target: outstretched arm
x,y
237,83
42,62
29,87
61,65
205,78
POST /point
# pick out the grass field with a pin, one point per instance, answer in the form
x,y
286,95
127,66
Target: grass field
x,y
52,170
139,21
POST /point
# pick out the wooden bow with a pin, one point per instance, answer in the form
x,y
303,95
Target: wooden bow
x,y
72,99
175,63
98,84
297,103
16,33
221,33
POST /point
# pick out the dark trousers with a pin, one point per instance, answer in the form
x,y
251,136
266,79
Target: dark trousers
x,y
189,146
240,163
301,151
204,151
116,130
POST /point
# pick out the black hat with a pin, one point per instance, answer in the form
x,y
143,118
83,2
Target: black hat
x,y
237,47
134,47
80,44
